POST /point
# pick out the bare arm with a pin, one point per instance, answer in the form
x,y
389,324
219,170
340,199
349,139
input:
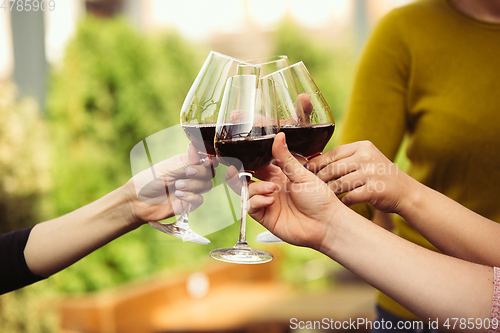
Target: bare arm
x,y
452,228
429,284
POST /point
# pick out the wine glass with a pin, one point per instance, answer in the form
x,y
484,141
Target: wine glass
x,y
245,132
304,115
198,118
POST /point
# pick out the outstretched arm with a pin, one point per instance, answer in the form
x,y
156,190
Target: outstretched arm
x,y
362,172
301,209
54,245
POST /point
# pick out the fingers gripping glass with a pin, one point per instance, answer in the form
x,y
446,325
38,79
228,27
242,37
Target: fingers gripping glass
x,y
198,118
245,131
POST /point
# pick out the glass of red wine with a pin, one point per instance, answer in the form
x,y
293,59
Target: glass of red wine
x,y
198,118
245,132
304,115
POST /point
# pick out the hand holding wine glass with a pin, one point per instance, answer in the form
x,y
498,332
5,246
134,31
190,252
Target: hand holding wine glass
x,y
245,132
158,192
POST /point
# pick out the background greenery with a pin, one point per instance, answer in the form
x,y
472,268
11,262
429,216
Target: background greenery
x,y
114,88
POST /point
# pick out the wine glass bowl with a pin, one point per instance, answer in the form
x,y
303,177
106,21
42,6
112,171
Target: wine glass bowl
x,y
304,115
201,106
245,132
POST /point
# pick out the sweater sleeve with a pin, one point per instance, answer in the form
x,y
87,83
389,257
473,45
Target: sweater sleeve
x,y
495,309
14,272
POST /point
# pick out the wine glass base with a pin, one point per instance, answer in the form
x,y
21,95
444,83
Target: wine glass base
x,y
267,237
241,256
182,231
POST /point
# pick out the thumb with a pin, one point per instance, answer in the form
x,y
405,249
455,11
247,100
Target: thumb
x,y
291,167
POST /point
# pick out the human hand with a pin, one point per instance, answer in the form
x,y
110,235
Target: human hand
x,y
366,174
293,203
180,178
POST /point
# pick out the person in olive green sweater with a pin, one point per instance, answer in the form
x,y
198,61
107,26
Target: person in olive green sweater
x,y
431,71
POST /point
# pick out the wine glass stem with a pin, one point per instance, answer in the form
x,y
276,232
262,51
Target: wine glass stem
x,y
244,178
183,219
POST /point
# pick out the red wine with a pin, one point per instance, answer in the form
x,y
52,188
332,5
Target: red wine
x,y
250,154
201,136
308,140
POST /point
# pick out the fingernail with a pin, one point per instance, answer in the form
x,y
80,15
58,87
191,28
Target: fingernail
x,y
179,194
191,172
270,187
180,184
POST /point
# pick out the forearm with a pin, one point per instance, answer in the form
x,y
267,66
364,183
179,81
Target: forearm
x,y
452,228
56,244
429,284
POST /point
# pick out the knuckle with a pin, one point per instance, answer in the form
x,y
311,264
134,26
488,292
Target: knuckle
x,y
367,144
330,156
365,157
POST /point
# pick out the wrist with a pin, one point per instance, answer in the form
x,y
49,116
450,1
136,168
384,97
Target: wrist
x,y
128,203
336,222
137,212
411,197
